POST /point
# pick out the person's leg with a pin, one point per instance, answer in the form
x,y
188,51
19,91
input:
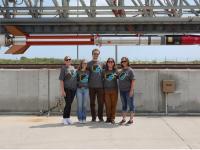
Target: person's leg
x,y
67,98
79,103
71,94
68,102
114,98
84,104
65,111
108,105
92,93
131,107
124,106
100,98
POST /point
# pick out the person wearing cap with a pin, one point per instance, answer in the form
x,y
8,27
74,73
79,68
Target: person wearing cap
x,y
68,85
82,93
110,89
96,85
126,86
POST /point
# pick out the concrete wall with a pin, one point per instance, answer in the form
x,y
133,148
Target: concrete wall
x,y
35,90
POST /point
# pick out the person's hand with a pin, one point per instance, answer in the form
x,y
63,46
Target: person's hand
x,y
63,94
131,93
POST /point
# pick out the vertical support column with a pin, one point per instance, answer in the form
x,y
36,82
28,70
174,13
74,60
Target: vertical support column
x,y
77,49
48,92
147,3
14,11
36,5
93,9
7,11
65,5
41,6
166,104
151,3
116,54
180,10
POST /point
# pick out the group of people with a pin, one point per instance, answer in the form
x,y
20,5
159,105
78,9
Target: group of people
x,y
97,80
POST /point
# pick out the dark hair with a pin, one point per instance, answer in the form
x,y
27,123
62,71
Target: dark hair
x,y
114,67
80,65
97,50
126,60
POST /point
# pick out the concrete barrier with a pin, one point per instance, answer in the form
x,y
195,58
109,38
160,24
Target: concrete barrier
x,y
30,91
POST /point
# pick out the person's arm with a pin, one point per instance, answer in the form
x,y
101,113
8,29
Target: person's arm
x,y
132,78
62,91
61,78
132,88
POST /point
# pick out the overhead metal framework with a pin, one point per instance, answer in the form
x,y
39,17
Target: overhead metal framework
x,y
101,16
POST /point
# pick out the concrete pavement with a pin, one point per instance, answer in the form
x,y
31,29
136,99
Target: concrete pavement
x,y
146,132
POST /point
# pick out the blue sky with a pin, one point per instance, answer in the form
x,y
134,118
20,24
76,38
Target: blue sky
x,y
159,53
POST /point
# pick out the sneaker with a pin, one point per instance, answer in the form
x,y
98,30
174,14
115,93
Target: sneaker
x,y
101,120
129,122
80,121
112,121
108,121
122,122
65,121
93,120
69,121
84,121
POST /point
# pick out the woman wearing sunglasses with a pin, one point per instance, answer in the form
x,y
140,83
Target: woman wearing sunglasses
x,y
68,85
126,86
82,93
111,89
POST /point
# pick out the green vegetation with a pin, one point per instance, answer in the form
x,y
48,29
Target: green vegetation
x,y
24,60
165,62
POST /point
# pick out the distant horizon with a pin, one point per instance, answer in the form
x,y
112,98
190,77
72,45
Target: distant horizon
x,y
134,53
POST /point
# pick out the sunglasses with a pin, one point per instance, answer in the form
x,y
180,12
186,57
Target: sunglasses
x,y
96,54
67,59
123,61
110,61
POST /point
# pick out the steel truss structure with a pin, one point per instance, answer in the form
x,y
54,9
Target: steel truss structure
x,y
101,16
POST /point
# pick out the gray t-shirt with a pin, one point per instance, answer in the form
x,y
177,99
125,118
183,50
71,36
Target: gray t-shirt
x,y
110,79
95,78
82,78
68,75
125,78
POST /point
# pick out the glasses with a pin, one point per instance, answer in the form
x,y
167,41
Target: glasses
x,y
96,54
110,61
67,59
123,61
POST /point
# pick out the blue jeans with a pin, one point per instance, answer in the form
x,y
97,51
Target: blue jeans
x,y
82,95
127,101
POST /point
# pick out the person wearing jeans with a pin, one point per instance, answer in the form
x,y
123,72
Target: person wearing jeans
x,y
68,85
126,85
82,91
96,85
111,89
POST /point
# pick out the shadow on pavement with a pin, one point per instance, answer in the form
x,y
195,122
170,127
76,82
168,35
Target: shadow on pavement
x,y
92,125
